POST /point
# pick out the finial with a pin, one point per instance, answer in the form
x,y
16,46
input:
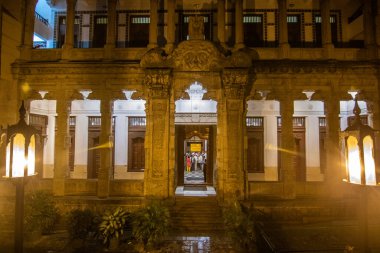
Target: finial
x,y
22,111
357,111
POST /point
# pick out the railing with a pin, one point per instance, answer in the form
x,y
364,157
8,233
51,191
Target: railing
x,y
254,121
40,18
297,122
137,121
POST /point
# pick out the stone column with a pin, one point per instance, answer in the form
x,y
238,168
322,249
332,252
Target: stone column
x,y
233,132
377,25
374,110
333,172
221,21
326,28
70,22
171,4
81,147
27,35
368,24
111,23
157,134
61,145
283,29
239,34
288,172
105,140
153,24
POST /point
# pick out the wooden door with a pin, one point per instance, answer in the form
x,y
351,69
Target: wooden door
x,y
138,31
100,31
253,31
180,135
294,30
138,154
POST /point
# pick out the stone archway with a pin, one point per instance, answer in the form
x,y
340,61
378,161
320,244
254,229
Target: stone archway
x,y
227,78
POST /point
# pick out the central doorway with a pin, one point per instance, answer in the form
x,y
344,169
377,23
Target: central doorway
x,y
195,155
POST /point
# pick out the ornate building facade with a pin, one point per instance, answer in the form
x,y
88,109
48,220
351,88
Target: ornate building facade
x,y
109,84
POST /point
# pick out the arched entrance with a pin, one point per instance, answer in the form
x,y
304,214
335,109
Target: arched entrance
x,y
195,133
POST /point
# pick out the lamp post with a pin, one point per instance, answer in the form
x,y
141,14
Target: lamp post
x,y
359,144
20,163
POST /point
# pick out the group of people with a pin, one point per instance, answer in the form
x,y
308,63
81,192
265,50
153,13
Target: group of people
x,y
195,161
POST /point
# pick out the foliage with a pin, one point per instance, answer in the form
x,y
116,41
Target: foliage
x,y
81,223
41,214
112,225
150,224
240,226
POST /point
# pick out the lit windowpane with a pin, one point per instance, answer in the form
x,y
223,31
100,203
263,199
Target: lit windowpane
x,y
369,161
353,160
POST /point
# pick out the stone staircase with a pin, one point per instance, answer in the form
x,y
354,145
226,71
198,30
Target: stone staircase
x,y
196,214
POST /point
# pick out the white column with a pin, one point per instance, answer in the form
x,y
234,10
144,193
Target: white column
x,y
81,147
121,141
48,170
270,152
313,171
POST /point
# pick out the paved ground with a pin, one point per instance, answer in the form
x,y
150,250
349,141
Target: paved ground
x,y
60,243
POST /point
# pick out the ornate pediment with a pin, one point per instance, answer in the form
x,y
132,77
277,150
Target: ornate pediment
x,y
196,55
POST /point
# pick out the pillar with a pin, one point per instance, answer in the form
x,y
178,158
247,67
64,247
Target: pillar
x,y
288,171
239,33
70,21
326,26
377,25
333,173
283,28
374,111
171,4
106,141
153,24
156,173
221,21
27,39
232,133
368,24
81,146
121,142
61,146
111,23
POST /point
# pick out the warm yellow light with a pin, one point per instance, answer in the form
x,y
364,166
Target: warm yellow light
x,y
353,160
369,161
18,158
31,156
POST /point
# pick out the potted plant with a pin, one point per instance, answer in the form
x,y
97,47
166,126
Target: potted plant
x,y
81,224
151,224
240,226
112,227
41,214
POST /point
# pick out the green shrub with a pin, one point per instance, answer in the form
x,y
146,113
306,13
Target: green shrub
x,y
240,226
81,223
112,225
151,224
41,214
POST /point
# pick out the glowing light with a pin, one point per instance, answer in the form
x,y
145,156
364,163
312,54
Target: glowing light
x,y
104,145
25,88
353,161
31,156
369,161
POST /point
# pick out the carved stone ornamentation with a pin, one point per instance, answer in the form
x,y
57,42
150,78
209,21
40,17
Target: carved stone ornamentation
x,y
153,58
236,84
196,28
196,55
158,83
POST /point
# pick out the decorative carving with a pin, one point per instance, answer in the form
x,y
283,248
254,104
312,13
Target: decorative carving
x,y
236,84
158,83
196,55
196,28
153,58
240,59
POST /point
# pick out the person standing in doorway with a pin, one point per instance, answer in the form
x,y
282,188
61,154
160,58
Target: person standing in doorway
x,y
188,163
200,161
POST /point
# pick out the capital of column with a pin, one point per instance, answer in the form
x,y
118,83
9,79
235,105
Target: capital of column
x,y
158,83
236,84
